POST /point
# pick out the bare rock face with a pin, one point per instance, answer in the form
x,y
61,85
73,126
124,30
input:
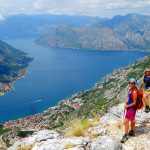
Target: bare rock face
x,y
38,137
147,35
61,144
82,37
99,38
50,140
134,40
106,143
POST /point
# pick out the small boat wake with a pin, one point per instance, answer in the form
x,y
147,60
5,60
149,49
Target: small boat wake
x,y
37,101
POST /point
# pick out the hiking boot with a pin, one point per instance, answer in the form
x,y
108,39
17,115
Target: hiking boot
x,y
131,133
147,109
124,139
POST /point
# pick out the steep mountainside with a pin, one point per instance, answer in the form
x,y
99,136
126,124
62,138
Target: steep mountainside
x,y
129,32
12,64
86,37
133,29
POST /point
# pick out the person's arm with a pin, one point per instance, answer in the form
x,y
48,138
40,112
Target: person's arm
x,y
127,101
134,99
125,105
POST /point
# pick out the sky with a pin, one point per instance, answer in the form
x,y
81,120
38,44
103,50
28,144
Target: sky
x,y
102,8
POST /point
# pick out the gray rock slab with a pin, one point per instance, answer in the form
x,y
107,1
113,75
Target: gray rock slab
x,y
106,143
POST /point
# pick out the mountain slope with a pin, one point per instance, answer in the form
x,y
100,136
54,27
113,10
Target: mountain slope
x,y
12,64
129,32
86,37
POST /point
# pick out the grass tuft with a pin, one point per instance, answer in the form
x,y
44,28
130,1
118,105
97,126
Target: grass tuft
x,y
77,126
29,147
69,145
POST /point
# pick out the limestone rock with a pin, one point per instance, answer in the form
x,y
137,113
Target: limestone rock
x,y
106,143
37,137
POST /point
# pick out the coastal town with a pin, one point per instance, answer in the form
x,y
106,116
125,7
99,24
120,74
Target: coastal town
x,y
7,87
54,117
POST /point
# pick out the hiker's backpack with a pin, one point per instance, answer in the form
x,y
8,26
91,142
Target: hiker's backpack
x,y
139,104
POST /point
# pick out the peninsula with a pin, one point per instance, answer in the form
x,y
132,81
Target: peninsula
x,y
13,64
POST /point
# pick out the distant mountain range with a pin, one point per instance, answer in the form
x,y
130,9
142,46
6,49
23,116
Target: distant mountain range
x,y
129,32
11,62
35,25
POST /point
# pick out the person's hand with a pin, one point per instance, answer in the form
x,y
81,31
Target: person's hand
x,y
125,106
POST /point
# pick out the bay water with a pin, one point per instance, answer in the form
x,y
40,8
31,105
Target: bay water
x,y
57,73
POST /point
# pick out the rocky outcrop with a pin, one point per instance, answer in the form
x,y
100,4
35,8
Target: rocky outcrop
x,y
109,131
106,142
50,140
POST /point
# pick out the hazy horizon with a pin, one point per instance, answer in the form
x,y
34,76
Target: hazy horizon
x,y
93,8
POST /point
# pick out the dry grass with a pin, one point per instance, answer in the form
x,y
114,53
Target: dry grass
x,y
69,145
29,147
77,126
120,124
95,136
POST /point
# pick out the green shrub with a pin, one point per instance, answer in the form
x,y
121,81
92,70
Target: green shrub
x,y
3,130
24,133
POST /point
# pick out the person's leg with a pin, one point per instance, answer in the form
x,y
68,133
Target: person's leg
x,y
145,99
148,99
131,132
132,124
125,137
126,124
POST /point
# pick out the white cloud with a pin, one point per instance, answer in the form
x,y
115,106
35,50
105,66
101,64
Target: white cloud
x,y
102,8
1,18
117,5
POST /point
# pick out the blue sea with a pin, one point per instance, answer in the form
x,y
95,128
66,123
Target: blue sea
x,y
57,73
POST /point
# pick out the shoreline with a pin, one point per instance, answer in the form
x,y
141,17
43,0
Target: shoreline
x,y
8,87
88,49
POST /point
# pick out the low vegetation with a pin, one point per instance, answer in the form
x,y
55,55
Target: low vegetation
x,y
29,147
3,130
24,133
69,145
11,62
77,126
